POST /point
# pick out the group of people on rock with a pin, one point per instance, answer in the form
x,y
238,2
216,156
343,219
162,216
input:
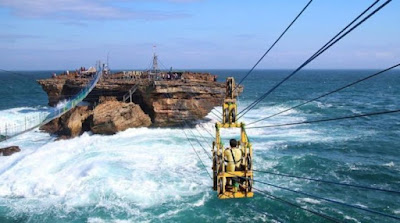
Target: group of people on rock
x,y
170,76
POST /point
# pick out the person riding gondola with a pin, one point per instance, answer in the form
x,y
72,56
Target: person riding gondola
x,y
233,156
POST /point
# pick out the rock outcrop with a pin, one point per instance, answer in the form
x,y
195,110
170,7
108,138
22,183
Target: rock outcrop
x,y
107,118
72,123
158,103
8,151
114,116
175,102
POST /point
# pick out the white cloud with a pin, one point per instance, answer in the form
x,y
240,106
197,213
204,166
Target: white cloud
x,y
81,9
12,37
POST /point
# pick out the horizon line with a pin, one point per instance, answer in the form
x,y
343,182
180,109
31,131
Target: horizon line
x,y
188,69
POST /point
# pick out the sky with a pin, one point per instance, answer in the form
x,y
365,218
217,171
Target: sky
x,y
193,34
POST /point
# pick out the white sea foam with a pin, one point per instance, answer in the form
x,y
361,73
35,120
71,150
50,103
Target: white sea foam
x,y
351,219
323,105
361,205
61,104
16,117
144,167
308,200
390,164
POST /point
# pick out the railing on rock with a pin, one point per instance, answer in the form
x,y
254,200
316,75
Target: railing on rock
x,y
129,94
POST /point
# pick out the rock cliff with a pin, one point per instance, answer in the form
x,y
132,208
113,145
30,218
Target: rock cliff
x,y
156,103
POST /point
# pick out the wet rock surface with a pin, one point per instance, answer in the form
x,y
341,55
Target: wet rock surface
x,y
114,116
8,151
71,124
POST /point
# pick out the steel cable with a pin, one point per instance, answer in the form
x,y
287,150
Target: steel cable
x,y
269,195
330,200
326,94
329,119
272,46
316,54
328,182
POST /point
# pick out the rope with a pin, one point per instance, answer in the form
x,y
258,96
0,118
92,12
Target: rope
x,y
327,120
326,94
328,182
272,46
316,54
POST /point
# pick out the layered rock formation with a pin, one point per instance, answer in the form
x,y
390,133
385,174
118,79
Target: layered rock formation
x,y
114,116
107,118
156,103
174,102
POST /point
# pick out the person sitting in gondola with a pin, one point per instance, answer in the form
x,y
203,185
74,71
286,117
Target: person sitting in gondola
x,y
233,159
233,156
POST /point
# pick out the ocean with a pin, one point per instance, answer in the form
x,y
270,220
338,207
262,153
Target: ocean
x,y
153,175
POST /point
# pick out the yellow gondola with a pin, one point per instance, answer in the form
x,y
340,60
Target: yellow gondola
x,y
232,180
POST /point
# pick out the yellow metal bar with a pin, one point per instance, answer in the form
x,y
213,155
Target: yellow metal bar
x,y
239,194
236,174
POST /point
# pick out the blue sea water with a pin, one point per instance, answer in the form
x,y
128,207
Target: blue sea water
x,y
153,175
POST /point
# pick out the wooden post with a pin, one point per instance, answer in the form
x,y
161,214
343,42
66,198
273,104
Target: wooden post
x,y
130,95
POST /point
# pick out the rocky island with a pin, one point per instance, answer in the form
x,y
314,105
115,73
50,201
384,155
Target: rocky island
x,y
132,99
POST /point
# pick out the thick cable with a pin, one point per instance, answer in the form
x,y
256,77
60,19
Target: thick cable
x,y
345,28
219,112
272,46
314,56
328,182
323,47
327,120
216,115
201,145
269,195
212,136
326,94
331,200
204,138
194,150
198,156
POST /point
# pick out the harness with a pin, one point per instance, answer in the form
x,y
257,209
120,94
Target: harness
x,y
233,157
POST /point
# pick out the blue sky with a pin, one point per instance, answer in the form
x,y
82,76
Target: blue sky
x,y
66,34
